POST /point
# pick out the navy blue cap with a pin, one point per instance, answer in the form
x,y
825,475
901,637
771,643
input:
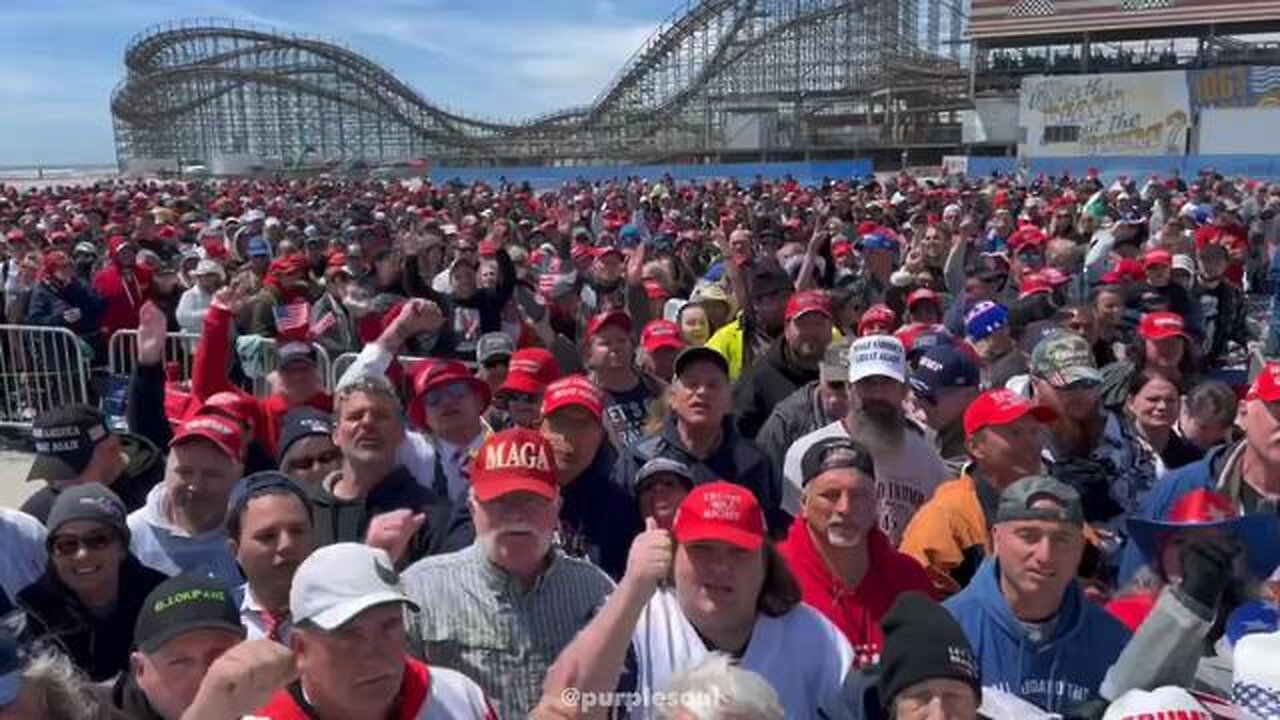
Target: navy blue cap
x,y
942,367
258,247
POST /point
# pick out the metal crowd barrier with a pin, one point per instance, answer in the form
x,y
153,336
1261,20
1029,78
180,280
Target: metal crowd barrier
x,y
41,368
179,348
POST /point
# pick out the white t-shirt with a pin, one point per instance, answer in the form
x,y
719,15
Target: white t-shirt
x,y
904,479
801,654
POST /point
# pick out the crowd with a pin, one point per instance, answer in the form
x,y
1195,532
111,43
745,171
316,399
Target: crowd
x,y
896,448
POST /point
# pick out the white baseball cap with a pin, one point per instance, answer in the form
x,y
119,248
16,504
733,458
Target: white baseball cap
x,y
1255,676
877,355
1168,701
338,582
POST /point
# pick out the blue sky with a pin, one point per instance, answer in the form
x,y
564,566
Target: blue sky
x,y
499,58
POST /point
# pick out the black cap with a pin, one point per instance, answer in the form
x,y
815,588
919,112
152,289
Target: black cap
x,y
91,501
768,278
298,352
702,353
659,466
301,423
182,604
64,439
835,453
923,642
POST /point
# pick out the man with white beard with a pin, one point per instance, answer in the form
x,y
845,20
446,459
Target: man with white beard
x,y
846,568
907,467
501,610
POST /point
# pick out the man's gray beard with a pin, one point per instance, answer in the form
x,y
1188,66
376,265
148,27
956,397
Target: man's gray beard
x,y
882,427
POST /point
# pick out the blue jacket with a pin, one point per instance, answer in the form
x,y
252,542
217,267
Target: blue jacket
x,y
1057,674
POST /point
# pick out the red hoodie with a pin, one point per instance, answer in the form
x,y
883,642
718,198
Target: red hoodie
x,y
856,611
209,376
123,289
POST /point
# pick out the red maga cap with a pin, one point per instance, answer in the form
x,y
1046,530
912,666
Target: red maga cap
x,y
922,295
221,431
604,319
723,512
516,460
440,373
1161,325
808,301
877,316
531,370
573,390
660,334
1266,387
1001,407
1156,258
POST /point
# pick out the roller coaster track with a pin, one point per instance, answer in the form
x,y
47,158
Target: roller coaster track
x,y
221,80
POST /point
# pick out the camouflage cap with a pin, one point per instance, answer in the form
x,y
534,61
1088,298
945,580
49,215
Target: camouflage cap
x,y
835,361
1022,501
1063,359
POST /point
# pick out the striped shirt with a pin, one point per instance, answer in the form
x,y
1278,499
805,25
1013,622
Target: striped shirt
x,y
476,619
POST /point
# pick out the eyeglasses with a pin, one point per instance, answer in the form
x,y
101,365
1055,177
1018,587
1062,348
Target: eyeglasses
x,y
69,545
308,462
452,391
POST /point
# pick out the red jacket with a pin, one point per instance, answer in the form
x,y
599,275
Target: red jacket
x,y
123,290
856,611
209,375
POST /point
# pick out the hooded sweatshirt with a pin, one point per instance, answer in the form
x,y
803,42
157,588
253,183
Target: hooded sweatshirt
x,y
1055,673
123,289
855,610
161,545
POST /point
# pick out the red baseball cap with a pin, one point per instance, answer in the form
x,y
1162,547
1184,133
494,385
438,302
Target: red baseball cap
x,y
516,460
238,406
1161,325
1034,283
613,317
922,295
1266,387
877,316
807,301
432,375
1001,407
1027,235
1125,269
723,512
573,390
1054,276
1157,257
531,370
221,431
660,334
604,251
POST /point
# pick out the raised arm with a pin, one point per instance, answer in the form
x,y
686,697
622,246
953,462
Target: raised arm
x,y
599,651
210,371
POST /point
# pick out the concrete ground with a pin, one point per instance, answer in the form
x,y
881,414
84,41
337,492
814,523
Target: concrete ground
x,y
14,464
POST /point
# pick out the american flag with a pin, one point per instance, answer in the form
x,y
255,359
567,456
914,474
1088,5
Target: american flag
x,y
990,19
291,318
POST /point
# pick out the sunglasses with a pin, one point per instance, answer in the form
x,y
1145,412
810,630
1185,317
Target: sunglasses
x,y
308,462
69,545
452,391
515,396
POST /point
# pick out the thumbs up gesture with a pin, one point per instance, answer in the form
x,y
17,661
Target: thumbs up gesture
x,y
650,560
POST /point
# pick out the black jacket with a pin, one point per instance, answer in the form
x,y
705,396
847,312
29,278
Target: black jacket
x,y
737,460
798,415
336,520
99,646
764,384
599,519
